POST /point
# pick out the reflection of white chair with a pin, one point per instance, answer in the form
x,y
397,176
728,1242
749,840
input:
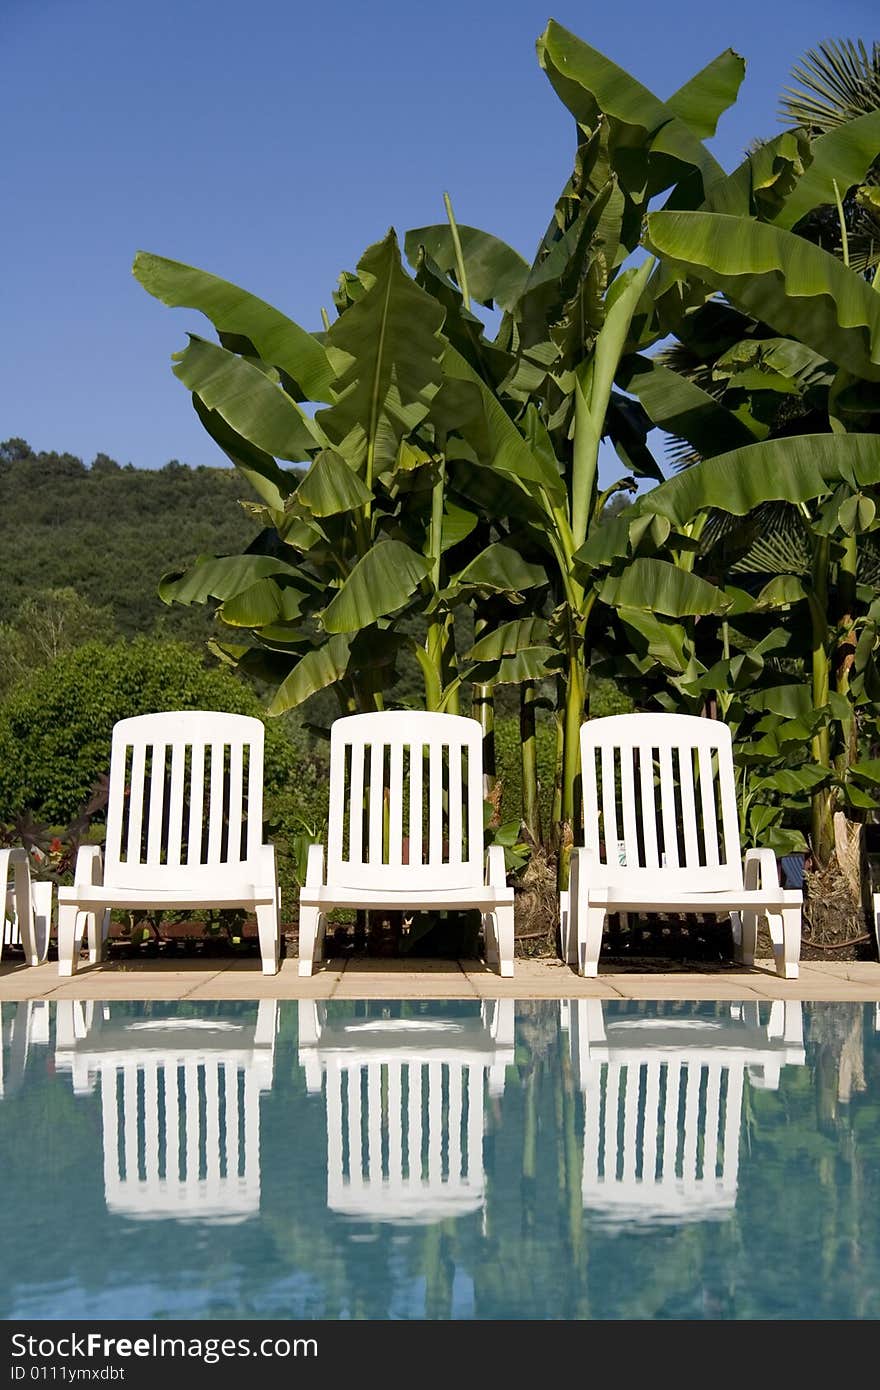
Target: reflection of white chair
x,y
184,830
663,1100
180,1100
22,1026
404,1104
25,907
395,775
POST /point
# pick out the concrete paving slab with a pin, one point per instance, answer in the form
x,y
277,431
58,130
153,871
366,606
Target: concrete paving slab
x,y
402,978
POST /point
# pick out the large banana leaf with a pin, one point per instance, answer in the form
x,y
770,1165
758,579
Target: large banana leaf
x,y
528,664
780,279
386,350
660,639
682,408
270,482
511,637
320,667
760,184
843,156
657,586
331,486
247,399
495,272
263,604
500,568
588,82
380,582
222,577
797,469
709,93
278,340
496,440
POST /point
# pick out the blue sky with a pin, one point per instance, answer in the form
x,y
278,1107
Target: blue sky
x,y
271,143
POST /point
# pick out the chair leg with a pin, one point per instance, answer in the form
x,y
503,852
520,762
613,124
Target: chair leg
x,y
269,932
69,937
745,936
309,923
98,929
591,923
785,933
565,924
791,943
491,952
504,929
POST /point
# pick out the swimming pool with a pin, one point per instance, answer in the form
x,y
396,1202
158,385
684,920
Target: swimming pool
x,y
555,1160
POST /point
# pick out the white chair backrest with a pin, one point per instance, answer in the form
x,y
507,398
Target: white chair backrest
x,y
660,801
406,801
186,799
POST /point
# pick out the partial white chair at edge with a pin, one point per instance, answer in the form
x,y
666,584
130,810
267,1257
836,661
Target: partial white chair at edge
x,y
184,830
661,834
25,906
379,858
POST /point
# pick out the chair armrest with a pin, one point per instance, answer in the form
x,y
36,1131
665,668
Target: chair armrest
x,y
11,858
266,855
760,869
584,864
496,873
315,867
89,865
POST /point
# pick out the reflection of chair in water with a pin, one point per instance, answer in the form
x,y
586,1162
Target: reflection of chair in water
x,y
405,1107
180,1101
22,1026
663,1100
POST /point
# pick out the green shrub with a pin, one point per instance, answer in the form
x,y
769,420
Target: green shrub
x,y
56,725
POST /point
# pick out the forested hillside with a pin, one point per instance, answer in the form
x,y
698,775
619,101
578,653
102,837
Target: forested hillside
x,y
110,532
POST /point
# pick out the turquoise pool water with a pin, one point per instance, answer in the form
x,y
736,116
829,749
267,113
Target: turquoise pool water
x,y
443,1160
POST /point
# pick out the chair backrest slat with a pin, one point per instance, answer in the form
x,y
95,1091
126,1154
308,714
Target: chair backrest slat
x,y
667,808
421,791
136,802
377,800
665,783
688,806
395,806
707,794
196,804
162,828
648,791
175,809
215,807
157,804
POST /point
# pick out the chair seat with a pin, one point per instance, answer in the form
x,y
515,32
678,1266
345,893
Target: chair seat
x,y
725,900
419,899
89,896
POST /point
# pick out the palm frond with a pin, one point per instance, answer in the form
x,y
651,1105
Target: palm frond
x,y
780,544
837,81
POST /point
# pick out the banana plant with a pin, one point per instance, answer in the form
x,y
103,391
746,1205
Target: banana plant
x,y
354,540
524,416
